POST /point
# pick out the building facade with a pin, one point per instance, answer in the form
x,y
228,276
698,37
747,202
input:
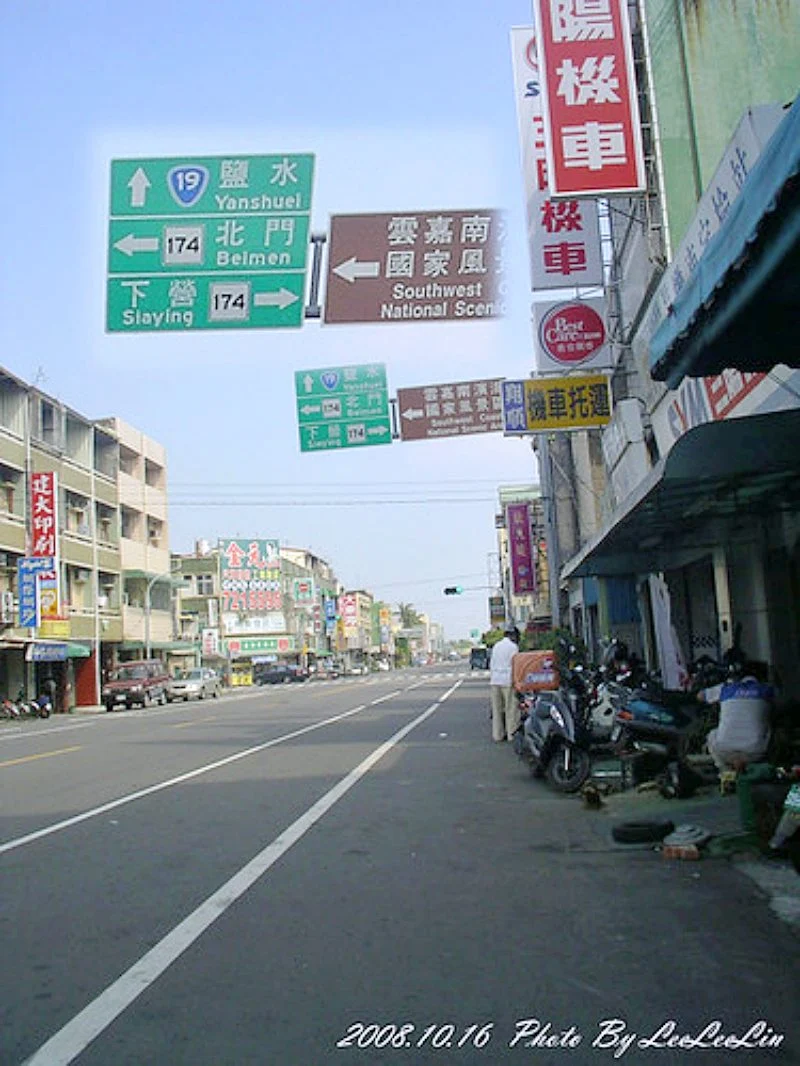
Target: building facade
x,y
698,544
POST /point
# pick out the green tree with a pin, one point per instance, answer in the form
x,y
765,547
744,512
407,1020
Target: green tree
x,y
409,616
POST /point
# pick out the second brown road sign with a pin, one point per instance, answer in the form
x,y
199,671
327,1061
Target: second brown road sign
x,y
415,266
430,411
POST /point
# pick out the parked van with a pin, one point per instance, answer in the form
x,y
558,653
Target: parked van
x,y
140,682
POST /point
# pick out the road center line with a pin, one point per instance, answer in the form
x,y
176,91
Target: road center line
x,y
41,755
64,1046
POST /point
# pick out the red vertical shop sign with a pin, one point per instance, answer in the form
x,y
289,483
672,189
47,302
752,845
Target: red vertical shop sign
x,y
591,114
523,572
44,539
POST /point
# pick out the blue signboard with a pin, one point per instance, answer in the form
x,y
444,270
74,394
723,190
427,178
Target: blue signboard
x,y
330,616
48,653
28,570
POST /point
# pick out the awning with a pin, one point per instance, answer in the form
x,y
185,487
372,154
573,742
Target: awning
x,y
739,309
718,478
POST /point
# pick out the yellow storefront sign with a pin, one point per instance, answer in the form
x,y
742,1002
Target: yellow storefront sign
x,y
538,404
54,627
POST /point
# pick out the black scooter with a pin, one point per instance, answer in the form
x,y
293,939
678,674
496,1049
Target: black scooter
x,y
553,739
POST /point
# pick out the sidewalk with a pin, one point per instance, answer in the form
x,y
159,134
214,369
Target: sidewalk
x,y
721,816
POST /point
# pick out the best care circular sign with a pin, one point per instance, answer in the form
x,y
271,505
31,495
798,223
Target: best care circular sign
x,y
573,334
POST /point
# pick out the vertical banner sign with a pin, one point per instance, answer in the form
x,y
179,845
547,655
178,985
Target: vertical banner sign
x,y
250,582
210,642
330,616
563,235
591,115
44,539
497,611
523,572
348,609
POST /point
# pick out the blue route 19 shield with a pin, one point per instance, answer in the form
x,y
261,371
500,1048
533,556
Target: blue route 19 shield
x,y
187,183
330,379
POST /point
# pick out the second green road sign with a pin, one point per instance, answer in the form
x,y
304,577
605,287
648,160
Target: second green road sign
x,y
342,407
215,242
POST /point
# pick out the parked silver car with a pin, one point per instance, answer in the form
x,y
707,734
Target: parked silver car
x,y
195,684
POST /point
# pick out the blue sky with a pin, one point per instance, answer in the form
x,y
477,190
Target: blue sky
x,y
406,106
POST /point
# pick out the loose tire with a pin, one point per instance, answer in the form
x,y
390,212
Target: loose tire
x,y
569,779
644,832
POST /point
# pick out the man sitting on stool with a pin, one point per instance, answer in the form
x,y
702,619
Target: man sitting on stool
x,y
743,733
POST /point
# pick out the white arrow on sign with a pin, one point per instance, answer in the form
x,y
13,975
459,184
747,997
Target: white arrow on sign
x,y
377,431
310,409
282,299
130,244
139,184
351,269
412,413
308,382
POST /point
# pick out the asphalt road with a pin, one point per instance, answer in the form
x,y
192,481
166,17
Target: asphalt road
x,y
352,873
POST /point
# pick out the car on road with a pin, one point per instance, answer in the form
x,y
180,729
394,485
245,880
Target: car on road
x,y
281,674
197,683
139,682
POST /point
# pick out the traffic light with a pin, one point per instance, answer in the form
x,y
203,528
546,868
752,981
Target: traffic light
x,y
453,590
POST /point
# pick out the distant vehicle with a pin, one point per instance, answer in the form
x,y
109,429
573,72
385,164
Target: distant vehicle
x,y
299,673
357,669
381,664
139,682
194,684
274,674
479,659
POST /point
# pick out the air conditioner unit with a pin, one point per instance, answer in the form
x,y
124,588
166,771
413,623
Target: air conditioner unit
x,y
102,602
81,576
7,615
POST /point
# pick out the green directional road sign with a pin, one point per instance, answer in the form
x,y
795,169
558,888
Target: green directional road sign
x,y
216,242
342,407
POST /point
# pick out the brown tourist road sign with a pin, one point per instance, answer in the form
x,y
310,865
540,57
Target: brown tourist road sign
x,y
430,411
414,266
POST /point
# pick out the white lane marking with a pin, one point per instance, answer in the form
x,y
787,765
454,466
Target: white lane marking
x,y
56,827
66,1044
388,696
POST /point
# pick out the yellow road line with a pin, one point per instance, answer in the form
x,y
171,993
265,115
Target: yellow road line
x,y
43,755
194,721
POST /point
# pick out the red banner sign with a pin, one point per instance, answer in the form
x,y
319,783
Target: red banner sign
x,y
523,571
591,114
44,514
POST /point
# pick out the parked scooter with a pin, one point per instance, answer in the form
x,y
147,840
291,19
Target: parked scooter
x,y
41,707
553,736
669,722
608,696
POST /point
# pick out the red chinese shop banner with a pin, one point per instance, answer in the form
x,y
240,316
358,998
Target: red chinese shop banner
x,y
44,539
250,586
563,235
591,115
520,543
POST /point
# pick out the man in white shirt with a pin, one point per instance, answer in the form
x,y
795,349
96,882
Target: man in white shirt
x,y
505,711
743,733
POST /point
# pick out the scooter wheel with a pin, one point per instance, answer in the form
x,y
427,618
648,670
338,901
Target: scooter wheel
x,y
44,712
568,778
